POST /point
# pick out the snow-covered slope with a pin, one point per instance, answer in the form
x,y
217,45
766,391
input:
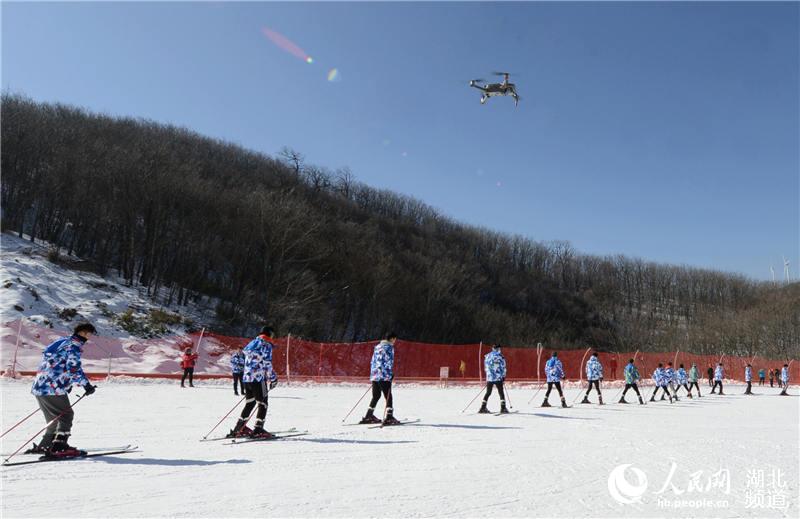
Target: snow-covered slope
x,y
700,458
137,334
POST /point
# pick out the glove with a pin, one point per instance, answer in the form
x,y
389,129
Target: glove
x,y
272,384
89,389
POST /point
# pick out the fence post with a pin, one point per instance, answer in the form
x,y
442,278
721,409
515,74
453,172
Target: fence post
x,y
288,345
16,348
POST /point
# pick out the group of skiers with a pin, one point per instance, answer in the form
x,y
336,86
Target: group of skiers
x,y
252,371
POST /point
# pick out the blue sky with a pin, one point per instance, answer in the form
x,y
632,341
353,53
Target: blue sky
x,y
666,131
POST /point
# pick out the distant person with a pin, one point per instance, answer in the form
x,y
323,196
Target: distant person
x,y
762,374
237,370
661,380
719,373
710,372
748,378
771,377
631,378
672,378
59,370
495,365
259,378
594,374
612,364
187,363
381,374
694,375
462,368
785,380
554,371
683,381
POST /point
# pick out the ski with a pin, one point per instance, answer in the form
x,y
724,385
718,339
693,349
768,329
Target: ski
x,y
219,438
402,422
501,414
45,459
238,441
93,449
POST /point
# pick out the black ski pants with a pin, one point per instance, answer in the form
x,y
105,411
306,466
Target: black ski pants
x,y
630,386
190,373
596,384
655,392
550,386
694,384
489,387
378,387
237,379
256,393
717,383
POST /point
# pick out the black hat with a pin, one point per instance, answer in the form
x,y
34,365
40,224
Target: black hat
x,y
555,354
496,346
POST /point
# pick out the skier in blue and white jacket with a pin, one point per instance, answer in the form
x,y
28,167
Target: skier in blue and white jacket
x,y
719,374
59,370
381,374
748,378
785,380
661,380
594,374
259,378
237,370
631,378
683,381
554,371
672,379
495,365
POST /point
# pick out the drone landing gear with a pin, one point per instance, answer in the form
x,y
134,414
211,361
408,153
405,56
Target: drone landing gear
x,y
483,99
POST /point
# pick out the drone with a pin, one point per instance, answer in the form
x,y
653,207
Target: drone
x,y
496,89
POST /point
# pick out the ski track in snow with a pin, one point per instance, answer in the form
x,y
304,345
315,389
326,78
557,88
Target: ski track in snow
x,y
538,462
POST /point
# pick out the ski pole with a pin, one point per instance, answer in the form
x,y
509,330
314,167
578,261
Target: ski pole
x,y
470,402
45,427
359,401
19,423
541,385
224,417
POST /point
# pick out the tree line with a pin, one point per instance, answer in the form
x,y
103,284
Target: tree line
x,y
320,254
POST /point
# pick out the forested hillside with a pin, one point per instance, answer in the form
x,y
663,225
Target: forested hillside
x,y
326,257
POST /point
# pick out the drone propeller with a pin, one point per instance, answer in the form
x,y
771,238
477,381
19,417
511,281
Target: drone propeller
x,y
502,73
479,80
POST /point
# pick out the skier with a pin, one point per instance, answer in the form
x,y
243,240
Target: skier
x,y
259,378
187,363
495,365
710,373
785,380
237,371
694,375
762,374
683,381
718,374
554,371
662,381
59,370
748,377
669,372
594,374
381,375
631,377
771,377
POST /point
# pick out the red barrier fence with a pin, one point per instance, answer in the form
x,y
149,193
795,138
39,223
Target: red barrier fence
x,y
22,342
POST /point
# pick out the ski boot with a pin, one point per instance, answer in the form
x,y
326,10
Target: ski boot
x,y
370,418
390,420
483,409
641,402
259,433
664,397
653,398
564,402
622,400
37,449
546,403
239,430
600,397
690,395
503,409
585,399
61,449
675,398
670,399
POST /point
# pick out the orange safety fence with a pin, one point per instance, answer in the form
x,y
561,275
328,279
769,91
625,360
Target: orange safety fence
x,y
22,342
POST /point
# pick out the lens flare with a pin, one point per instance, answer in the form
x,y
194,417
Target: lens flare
x,y
286,44
334,76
